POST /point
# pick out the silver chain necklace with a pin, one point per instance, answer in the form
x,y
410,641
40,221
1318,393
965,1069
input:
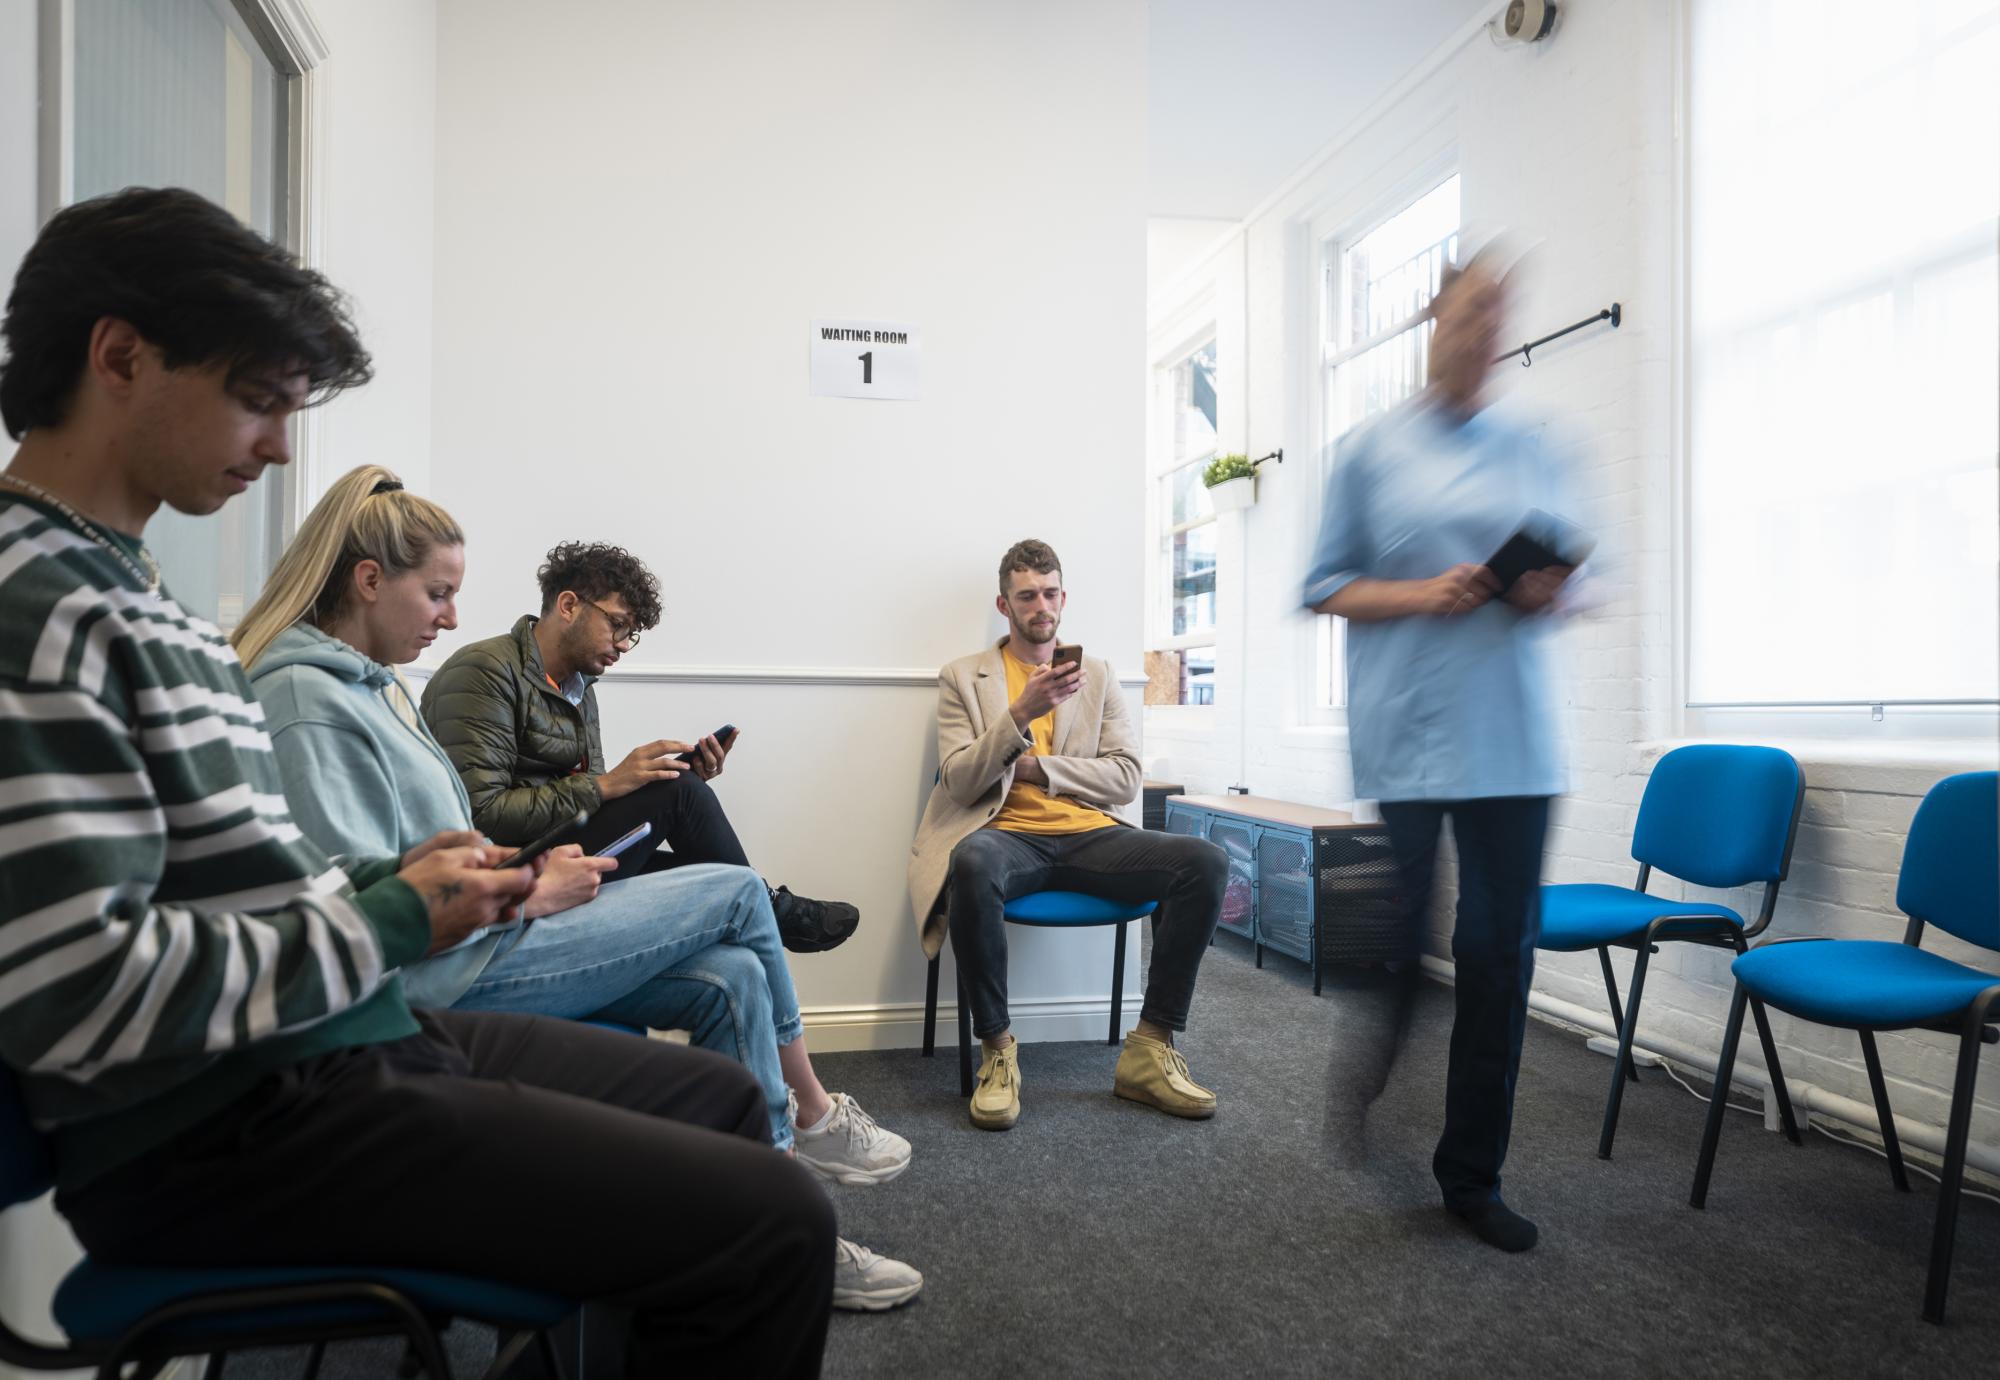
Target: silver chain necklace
x,y
149,577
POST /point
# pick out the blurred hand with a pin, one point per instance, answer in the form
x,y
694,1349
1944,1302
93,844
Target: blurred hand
x,y
570,879
1458,591
1028,768
1536,589
464,891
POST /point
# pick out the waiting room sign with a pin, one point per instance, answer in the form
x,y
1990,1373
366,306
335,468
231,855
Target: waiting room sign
x,y
865,359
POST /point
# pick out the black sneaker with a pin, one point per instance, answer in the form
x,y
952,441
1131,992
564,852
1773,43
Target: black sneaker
x,y
808,926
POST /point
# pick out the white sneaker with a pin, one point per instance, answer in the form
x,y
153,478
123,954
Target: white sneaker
x,y
864,1282
849,1148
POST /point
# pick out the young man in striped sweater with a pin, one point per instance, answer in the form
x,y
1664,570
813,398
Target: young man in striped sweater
x,y
202,1009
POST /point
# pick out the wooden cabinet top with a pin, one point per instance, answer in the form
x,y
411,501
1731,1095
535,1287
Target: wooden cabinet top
x,y
1266,811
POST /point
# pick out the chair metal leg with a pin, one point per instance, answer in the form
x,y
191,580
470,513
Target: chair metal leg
x,y
1617,1011
1718,1101
313,1361
551,1358
1259,951
1883,1116
1953,1177
1117,984
964,1043
930,1007
1785,1116
1627,1028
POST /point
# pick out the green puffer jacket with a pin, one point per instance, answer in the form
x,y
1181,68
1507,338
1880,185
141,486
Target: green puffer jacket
x,y
515,740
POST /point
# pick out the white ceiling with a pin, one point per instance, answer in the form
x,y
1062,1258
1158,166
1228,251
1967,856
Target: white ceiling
x,y
1244,91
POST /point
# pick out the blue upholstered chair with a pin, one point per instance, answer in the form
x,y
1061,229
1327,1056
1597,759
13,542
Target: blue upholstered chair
x,y
1950,880
1714,815
1054,910
120,1316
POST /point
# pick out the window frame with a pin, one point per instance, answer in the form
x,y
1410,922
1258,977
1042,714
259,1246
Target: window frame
x,y
1198,329
1889,722
292,43
1331,235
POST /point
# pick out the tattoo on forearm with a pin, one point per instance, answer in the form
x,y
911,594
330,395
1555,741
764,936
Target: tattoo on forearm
x,y
443,895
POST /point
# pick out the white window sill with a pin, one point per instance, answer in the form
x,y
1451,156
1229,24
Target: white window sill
x,y
1909,766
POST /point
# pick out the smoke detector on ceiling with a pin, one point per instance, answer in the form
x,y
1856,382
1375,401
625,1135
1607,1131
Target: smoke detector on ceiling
x,y
1525,21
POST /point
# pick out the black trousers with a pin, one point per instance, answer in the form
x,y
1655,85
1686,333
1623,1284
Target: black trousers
x,y
685,815
1493,951
991,867
534,1151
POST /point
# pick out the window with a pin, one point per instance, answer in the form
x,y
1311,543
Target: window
x,y
182,93
1375,288
1844,197
1181,668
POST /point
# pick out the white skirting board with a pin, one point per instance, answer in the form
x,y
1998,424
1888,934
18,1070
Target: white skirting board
x,y
832,1029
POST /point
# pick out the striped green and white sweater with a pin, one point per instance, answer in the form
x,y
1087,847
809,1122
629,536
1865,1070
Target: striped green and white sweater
x,y
168,937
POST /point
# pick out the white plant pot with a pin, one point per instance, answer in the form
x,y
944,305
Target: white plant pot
x,y
1233,495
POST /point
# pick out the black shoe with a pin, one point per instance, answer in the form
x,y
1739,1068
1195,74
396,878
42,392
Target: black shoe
x,y
808,926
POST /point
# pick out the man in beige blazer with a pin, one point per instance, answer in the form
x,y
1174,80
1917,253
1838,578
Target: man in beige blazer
x,y
1038,777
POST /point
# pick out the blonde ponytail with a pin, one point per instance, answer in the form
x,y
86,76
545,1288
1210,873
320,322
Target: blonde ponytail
x,y
367,515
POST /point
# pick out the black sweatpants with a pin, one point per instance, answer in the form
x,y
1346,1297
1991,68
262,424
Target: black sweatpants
x,y
533,1151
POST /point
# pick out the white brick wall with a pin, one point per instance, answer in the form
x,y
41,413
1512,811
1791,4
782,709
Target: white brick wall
x,y
1571,142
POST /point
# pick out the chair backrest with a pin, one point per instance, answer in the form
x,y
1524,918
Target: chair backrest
x,y
1951,861
26,1171
1721,815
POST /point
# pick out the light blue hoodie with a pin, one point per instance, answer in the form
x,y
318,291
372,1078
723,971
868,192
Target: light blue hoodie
x,y
361,778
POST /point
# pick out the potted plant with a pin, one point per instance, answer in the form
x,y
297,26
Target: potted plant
x,y
1231,482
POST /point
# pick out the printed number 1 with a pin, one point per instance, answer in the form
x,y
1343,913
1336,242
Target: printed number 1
x,y
868,367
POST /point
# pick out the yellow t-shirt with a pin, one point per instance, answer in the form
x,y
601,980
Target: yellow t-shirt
x,y
1029,808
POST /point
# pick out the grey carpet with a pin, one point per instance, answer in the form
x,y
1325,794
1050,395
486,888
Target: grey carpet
x,y
1099,1238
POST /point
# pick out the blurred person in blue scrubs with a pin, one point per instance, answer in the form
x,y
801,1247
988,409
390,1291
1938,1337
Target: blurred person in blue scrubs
x,y
1450,713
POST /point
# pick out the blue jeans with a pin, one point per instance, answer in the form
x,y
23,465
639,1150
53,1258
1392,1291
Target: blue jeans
x,y
690,948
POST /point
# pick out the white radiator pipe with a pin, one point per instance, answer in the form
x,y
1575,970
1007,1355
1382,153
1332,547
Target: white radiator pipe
x,y
1858,1116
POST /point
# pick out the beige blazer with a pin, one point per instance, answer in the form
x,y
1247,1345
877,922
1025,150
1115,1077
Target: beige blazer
x,y
1096,762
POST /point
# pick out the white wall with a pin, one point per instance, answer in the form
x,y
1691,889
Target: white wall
x,y
378,245
645,207
1571,141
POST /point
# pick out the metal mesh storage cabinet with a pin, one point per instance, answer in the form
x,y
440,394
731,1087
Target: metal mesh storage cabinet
x,y
1360,899
1239,894
1303,881
1153,813
1284,893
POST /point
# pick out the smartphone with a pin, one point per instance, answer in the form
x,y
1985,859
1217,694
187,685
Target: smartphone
x,y
1067,654
619,845
723,737
565,832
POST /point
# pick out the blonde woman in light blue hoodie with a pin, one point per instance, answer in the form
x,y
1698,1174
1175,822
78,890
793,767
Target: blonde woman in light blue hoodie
x,y
369,581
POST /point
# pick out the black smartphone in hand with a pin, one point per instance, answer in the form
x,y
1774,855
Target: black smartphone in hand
x,y
566,832
723,736
1067,655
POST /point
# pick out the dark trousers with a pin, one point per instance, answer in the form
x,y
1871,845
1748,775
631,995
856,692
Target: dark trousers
x,y
685,815
533,1151
1493,950
990,867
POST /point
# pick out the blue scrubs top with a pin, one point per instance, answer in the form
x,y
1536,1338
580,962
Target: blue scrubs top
x,y
1441,708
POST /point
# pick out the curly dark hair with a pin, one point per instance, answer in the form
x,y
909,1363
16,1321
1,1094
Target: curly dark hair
x,y
190,278
1037,556
592,570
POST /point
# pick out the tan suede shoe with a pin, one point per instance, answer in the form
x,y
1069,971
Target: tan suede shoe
x,y
996,1101
1155,1074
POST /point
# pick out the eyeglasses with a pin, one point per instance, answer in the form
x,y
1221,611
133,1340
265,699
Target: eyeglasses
x,y
623,634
